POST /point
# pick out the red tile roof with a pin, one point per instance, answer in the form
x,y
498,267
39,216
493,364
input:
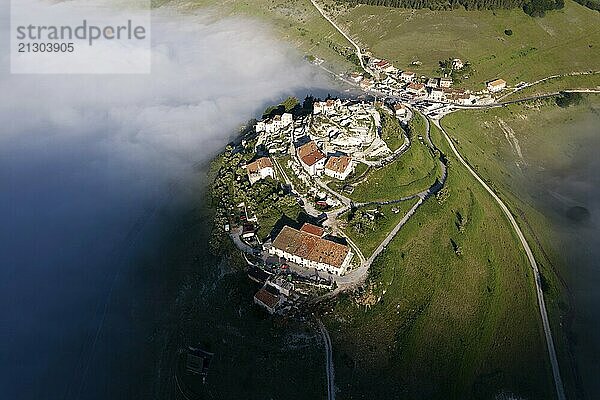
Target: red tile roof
x,y
310,154
259,164
416,86
338,164
268,299
312,229
310,247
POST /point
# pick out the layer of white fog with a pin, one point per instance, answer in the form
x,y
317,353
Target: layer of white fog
x,y
85,159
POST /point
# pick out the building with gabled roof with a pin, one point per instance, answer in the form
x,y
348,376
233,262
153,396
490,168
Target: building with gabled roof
x,y
311,251
326,107
356,77
399,109
459,96
367,83
311,157
416,89
268,297
437,94
408,76
496,85
339,167
445,82
260,169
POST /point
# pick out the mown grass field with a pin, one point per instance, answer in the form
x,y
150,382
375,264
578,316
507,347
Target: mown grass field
x,y
412,172
391,131
447,325
563,41
542,132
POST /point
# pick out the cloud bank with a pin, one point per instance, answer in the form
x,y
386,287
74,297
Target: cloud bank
x,y
81,159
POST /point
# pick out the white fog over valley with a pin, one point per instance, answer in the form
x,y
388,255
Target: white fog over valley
x,y
87,166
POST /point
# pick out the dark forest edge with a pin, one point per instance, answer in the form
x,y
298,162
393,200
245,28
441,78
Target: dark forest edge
x,y
534,8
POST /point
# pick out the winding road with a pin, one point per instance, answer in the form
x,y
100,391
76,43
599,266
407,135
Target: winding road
x,y
328,361
348,38
361,272
560,392
358,275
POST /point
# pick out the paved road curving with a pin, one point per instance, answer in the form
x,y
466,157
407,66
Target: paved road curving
x,y
348,38
359,274
560,392
328,361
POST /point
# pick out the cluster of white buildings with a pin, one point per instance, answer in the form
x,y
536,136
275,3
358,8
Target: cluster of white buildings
x,y
274,133
275,124
348,127
391,81
457,96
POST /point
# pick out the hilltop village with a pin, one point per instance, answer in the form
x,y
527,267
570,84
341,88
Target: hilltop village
x,y
285,193
312,192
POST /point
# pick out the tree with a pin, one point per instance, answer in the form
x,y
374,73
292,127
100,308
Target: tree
x,y
567,99
290,103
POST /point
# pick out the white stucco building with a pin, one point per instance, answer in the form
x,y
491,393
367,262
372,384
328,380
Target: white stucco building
x,y
260,169
339,167
311,158
311,251
496,85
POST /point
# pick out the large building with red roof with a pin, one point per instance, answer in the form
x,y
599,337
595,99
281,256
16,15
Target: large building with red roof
x,y
307,248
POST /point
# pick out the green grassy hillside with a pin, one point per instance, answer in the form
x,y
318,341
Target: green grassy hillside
x,y
507,146
564,41
450,310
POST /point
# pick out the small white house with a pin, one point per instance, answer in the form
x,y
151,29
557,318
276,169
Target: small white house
x,y
400,110
260,126
407,76
287,119
416,89
339,167
260,169
445,82
356,77
496,85
367,84
437,94
311,158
